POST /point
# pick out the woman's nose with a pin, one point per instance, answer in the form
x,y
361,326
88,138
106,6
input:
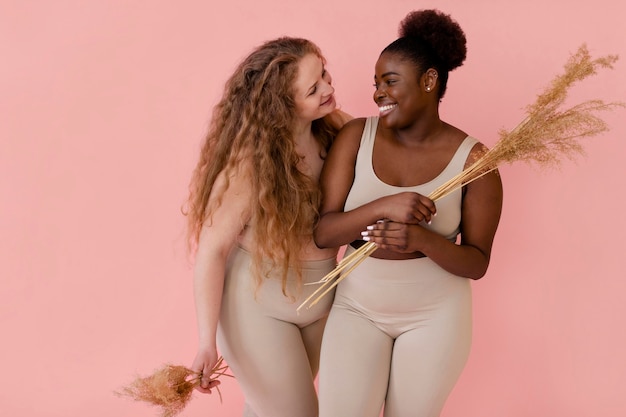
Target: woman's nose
x,y
329,88
379,93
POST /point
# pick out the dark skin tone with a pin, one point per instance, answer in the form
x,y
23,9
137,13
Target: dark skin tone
x,y
412,146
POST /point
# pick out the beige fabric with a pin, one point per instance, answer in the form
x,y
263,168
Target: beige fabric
x,y
400,331
272,351
367,186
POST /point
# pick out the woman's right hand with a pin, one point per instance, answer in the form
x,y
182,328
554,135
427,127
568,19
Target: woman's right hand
x,y
205,360
408,207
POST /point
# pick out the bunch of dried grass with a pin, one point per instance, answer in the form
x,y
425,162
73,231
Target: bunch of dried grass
x,y
170,387
545,136
547,133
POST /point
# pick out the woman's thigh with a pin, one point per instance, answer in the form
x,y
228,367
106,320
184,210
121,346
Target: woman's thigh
x,y
354,366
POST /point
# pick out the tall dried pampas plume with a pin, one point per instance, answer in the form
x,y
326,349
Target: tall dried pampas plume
x,y
170,387
545,136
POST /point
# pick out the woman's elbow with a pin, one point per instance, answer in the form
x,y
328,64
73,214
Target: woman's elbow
x,y
320,239
477,276
479,272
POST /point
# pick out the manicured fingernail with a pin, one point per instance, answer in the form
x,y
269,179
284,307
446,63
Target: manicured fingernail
x,y
364,233
366,238
370,227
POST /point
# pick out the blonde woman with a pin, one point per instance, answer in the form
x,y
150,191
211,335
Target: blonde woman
x,y
253,203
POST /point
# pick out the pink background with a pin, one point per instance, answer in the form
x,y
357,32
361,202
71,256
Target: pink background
x,y
103,104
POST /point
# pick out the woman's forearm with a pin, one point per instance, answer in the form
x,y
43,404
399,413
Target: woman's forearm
x,y
340,228
462,260
208,286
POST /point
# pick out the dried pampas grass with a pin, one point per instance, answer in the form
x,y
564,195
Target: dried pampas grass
x,y
547,134
544,137
170,387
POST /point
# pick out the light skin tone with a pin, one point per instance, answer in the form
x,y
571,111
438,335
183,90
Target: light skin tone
x,y
227,226
412,146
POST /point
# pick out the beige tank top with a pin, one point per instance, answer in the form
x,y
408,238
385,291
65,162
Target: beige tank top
x,y
367,186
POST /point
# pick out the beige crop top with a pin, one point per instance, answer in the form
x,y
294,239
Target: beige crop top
x,y
367,186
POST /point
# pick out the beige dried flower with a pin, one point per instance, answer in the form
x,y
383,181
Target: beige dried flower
x,y
170,387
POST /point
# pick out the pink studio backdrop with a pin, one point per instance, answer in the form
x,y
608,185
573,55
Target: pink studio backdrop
x,y
103,105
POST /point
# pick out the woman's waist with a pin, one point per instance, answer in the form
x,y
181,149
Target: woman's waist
x,y
307,252
324,261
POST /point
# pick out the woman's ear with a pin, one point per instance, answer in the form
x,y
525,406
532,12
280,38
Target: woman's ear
x,y
430,79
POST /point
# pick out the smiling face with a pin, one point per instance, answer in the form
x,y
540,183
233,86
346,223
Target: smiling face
x,y
313,90
401,93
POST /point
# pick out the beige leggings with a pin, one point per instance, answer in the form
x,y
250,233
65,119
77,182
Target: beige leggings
x,y
272,351
398,334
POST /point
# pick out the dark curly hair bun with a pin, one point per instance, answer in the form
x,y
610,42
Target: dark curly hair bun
x,y
443,35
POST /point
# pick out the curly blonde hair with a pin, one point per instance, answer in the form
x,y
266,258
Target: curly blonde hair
x,y
253,126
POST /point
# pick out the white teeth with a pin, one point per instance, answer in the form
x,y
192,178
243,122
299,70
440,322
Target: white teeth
x,y
387,107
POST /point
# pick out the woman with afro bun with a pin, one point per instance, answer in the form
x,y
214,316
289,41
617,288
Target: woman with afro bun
x,y
399,331
253,203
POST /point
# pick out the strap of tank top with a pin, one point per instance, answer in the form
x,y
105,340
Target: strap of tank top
x,y
460,157
369,131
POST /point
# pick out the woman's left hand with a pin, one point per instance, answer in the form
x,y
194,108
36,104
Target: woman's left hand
x,y
397,237
337,118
